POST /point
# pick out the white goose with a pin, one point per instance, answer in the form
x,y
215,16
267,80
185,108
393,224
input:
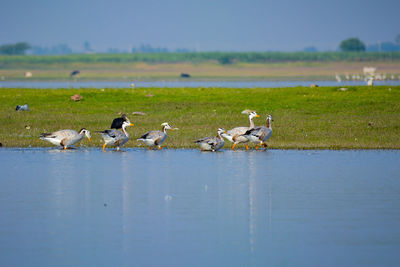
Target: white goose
x,y
156,138
235,135
66,138
212,143
116,138
259,135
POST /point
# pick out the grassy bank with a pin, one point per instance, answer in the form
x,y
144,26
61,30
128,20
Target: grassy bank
x,y
305,118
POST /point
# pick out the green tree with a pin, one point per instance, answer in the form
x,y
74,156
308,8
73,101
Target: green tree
x,y
397,39
14,49
352,45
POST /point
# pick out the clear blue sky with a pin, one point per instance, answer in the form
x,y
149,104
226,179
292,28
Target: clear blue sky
x,y
205,25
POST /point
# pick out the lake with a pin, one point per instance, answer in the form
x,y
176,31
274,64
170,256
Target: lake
x,y
85,207
173,84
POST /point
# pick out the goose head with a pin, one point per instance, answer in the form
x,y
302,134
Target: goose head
x,y
126,124
253,114
269,119
87,133
166,126
125,118
221,131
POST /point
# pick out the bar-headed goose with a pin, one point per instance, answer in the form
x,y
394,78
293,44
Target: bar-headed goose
x,y
66,138
212,143
259,135
156,138
116,138
235,135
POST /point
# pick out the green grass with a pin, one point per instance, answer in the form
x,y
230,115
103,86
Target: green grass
x,y
304,118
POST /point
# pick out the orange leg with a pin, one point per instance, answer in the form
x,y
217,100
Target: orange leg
x,y
247,147
201,149
159,147
256,147
233,147
104,147
64,148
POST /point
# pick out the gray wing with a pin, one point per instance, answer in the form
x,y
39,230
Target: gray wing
x,y
261,132
265,133
202,140
154,135
237,131
212,141
115,134
257,131
64,134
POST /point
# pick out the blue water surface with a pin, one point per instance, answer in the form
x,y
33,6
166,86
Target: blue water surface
x,y
84,207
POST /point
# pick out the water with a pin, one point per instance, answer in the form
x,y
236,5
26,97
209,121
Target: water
x,y
223,84
84,207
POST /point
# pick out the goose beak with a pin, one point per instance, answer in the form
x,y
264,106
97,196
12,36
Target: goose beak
x,y
131,124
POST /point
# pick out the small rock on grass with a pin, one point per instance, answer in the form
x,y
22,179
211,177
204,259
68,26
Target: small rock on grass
x,y
76,97
139,113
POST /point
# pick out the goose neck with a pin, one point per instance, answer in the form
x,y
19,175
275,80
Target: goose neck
x,y
251,123
269,123
124,130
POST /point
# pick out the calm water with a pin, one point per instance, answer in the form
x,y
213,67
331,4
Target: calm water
x,y
226,84
84,207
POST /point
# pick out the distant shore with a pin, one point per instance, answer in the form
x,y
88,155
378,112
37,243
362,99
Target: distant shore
x,y
356,117
198,67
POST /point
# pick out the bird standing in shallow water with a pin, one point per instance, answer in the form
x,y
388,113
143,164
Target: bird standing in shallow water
x,y
66,138
212,143
259,135
156,138
235,135
114,137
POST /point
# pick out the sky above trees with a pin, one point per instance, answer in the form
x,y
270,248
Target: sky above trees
x,y
207,25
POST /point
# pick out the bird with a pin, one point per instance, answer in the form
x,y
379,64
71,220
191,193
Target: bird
x,y
235,135
117,122
66,138
370,81
338,79
259,135
212,143
156,138
114,137
74,72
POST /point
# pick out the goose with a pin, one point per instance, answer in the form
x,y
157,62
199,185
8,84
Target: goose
x,y
212,143
259,135
65,138
156,138
114,137
235,135
117,122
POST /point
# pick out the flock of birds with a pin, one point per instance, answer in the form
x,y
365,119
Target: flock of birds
x,y
116,138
